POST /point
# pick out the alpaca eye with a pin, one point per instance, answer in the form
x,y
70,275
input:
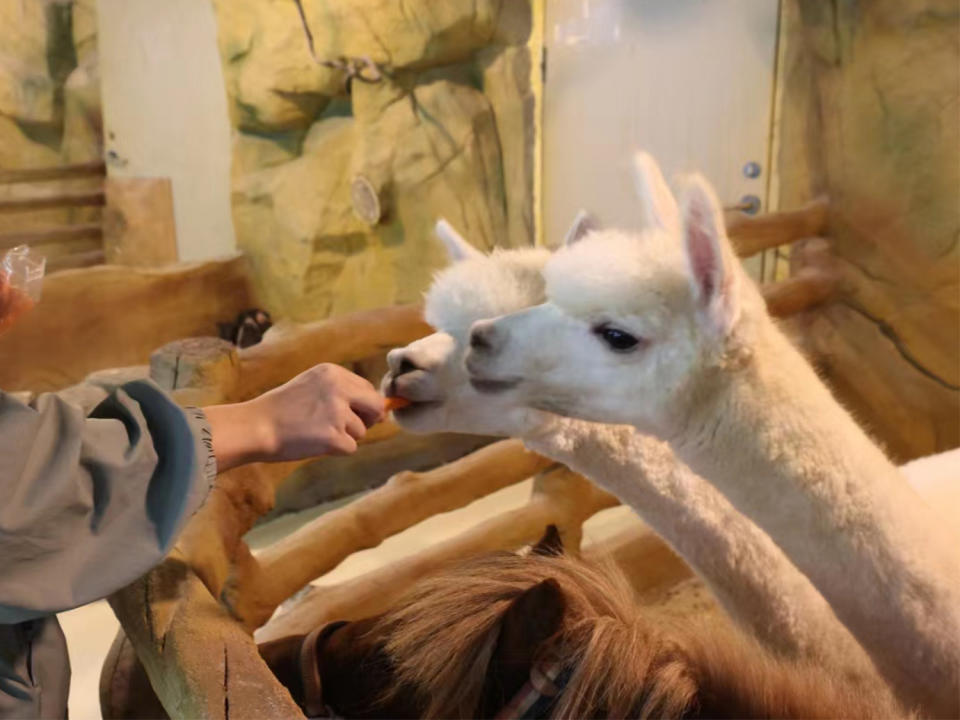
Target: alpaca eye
x,y
616,339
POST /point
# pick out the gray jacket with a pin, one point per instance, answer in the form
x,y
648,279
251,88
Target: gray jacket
x,y
88,504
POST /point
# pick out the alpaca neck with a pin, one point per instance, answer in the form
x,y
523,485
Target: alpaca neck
x,y
787,455
750,577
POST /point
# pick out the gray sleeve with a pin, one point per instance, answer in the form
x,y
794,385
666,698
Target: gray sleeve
x,y
88,504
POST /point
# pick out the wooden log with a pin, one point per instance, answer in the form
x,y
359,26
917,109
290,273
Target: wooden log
x,y
212,543
282,569
751,235
111,316
48,202
64,172
337,476
200,661
61,234
560,497
76,261
203,371
289,350
807,289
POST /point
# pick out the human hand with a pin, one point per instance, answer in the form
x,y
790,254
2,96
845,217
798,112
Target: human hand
x,y
325,410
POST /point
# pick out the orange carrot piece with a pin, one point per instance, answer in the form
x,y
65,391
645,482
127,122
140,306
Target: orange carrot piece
x,y
395,403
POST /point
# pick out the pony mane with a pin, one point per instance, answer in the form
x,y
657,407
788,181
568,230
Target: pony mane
x,y
441,637
627,660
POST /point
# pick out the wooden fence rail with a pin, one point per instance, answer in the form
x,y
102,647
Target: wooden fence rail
x,y
62,172
86,235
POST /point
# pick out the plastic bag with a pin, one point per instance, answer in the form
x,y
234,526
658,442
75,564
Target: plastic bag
x,y
21,279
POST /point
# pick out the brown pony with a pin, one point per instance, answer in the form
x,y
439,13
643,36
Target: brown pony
x,y
546,635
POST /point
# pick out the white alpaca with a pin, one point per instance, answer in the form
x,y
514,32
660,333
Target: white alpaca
x,y
747,573
663,330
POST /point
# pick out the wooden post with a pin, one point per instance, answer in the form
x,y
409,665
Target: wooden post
x,y
203,371
200,662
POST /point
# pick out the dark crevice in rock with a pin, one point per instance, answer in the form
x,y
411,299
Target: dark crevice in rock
x,y
226,684
888,332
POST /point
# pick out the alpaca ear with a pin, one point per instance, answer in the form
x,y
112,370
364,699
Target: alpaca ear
x,y
710,259
583,224
550,544
659,207
458,248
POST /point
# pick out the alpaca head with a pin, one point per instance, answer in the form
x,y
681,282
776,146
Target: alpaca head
x,y
430,371
634,322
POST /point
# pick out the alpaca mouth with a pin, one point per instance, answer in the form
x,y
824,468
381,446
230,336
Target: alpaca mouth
x,y
416,407
492,387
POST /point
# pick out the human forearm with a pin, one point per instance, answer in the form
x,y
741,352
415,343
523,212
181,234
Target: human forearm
x,y
239,433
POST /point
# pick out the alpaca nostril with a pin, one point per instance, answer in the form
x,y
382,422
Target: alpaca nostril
x,y
479,340
405,367
486,338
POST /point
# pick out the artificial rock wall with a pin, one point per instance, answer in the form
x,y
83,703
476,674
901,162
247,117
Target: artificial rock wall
x,y
871,117
447,130
49,95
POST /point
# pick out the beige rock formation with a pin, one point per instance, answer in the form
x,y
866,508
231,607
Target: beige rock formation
x,y
49,102
338,182
871,119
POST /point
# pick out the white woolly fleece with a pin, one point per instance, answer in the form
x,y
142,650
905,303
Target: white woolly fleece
x,y
486,287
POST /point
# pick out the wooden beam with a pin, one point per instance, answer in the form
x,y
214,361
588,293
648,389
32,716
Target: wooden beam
x,y
47,202
808,288
60,234
76,260
751,235
406,499
64,172
111,316
287,351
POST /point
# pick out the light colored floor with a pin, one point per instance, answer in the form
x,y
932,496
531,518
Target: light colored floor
x,y
91,629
